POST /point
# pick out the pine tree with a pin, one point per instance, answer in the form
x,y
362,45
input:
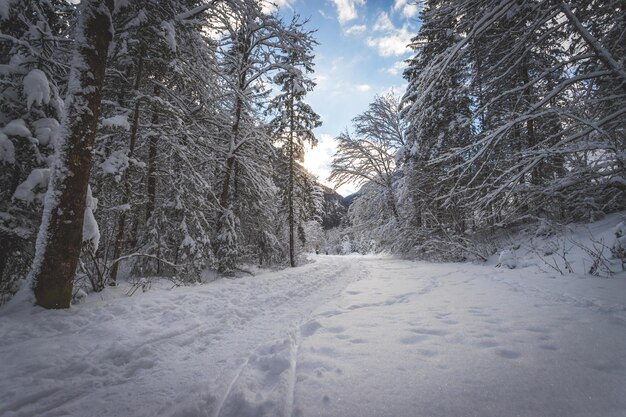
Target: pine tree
x,y
34,73
293,128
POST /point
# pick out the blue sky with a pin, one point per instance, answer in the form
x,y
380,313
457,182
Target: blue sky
x,y
362,45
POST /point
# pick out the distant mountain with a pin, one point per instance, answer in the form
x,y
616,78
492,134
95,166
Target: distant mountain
x,y
350,198
334,208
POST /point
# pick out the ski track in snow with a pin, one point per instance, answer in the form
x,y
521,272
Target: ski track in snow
x,y
343,336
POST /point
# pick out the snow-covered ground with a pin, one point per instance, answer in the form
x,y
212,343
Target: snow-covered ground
x,y
341,336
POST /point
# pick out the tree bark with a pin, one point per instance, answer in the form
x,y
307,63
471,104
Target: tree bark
x,y
230,162
152,155
290,185
60,235
121,221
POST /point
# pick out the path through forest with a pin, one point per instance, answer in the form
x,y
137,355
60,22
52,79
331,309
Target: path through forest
x,y
341,336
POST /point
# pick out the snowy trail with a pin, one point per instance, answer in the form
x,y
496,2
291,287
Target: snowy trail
x,y
343,336
419,339
177,352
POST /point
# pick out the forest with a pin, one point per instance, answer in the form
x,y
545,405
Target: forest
x,y
166,138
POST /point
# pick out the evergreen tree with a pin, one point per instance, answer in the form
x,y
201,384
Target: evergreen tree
x,y
293,128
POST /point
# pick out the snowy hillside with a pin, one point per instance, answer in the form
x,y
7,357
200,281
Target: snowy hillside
x,y
341,336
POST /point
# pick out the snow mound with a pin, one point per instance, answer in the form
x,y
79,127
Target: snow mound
x,y
579,249
37,179
115,164
7,150
17,127
36,88
46,131
170,34
119,121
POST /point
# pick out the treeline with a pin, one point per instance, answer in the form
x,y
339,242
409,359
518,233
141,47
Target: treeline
x,y
514,111
181,143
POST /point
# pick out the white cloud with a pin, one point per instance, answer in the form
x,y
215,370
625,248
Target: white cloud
x,y
271,5
407,9
324,15
356,29
320,79
396,68
363,88
393,43
383,23
346,9
410,10
317,160
399,4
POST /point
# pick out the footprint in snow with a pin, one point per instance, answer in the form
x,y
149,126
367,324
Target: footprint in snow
x,y
508,354
549,347
336,329
428,353
538,329
412,339
431,332
308,329
488,344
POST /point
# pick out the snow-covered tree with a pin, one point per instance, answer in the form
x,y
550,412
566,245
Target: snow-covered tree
x,y
66,206
32,57
293,126
512,111
368,158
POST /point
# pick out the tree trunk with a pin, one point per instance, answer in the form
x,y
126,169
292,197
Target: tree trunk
x,y
230,162
60,235
121,221
290,186
152,155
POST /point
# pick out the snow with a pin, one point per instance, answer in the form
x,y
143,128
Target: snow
x,y
46,131
36,88
507,259
91,232
119,5
7,150
120,120
37,179
341,336
170,34
116,163
17,127
5,8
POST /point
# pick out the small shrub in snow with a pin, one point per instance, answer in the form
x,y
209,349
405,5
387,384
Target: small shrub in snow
x,y
544,229
508,259
346,246
79,296
618,250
